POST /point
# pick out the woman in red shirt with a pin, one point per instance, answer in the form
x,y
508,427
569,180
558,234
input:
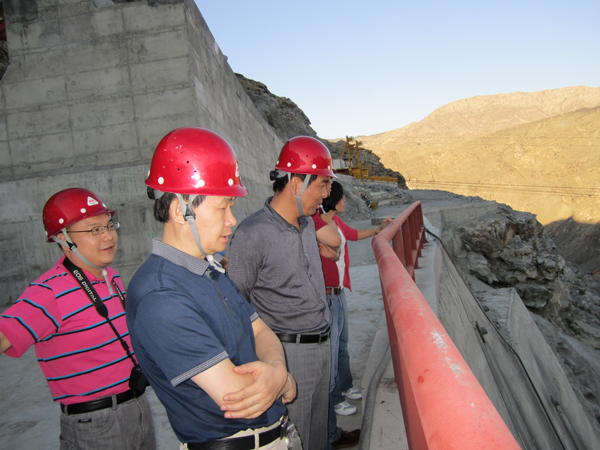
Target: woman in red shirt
x,y
337,277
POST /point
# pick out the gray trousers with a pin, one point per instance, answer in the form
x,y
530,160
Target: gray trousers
x,y
310,366
128,426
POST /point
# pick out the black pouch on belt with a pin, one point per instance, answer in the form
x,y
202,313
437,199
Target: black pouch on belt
x,y
137,380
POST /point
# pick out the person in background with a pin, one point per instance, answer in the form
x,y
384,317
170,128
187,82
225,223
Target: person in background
x,y
215,365
337,277
74,317
274,261
338,438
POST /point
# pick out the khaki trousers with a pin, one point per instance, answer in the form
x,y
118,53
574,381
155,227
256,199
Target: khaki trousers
x,y
277,444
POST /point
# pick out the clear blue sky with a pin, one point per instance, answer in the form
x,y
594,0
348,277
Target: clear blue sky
x,y
365,67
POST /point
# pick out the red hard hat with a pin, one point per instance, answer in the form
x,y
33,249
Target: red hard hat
x,y
195,161
305,155
71,206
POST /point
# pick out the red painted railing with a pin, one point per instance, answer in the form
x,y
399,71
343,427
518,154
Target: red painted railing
x,y
443,404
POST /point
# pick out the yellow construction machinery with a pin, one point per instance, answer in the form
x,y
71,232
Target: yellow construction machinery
x,y
353,166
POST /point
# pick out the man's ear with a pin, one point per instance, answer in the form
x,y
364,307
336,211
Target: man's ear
x,y
175,213
62,237
296,185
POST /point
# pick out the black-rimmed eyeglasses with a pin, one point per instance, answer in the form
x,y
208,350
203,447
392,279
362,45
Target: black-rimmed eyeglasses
x,y
100,230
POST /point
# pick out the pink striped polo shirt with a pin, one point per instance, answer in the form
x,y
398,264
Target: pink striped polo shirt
x,y
76,348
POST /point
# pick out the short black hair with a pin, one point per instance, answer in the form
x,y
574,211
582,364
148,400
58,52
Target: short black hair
x,y
162,205
280,183
337,192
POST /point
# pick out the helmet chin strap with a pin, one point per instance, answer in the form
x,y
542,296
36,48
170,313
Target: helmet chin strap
x,y
72,246
190,218
304,186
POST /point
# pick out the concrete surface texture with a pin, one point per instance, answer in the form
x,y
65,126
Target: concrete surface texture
x,y
91,89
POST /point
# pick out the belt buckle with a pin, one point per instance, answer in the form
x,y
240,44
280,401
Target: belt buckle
x,y
282,426
327,333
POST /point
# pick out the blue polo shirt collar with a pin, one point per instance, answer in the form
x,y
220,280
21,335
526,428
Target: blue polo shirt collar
x,y
189,262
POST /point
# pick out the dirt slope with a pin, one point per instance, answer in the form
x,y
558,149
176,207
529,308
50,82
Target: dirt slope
x,y
537,152
480,115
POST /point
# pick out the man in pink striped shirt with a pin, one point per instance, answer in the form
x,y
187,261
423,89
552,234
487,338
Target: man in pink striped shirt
x,y
80,351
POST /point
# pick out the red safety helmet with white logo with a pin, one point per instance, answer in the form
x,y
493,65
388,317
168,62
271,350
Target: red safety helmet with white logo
x,y
71,206
195,161
305,155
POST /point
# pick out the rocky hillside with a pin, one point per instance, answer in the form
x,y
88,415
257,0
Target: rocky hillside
x,y
507,248
537,152
284,116
480,115
288,120
579,243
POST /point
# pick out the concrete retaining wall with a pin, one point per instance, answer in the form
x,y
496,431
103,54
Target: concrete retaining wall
x,y
440,216
88,94
518,371
506,351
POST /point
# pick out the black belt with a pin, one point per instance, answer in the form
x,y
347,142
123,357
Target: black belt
x,y
303,338
244,442
101,403
334,291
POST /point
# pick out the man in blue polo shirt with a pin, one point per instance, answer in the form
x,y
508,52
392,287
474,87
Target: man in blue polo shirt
x,y
217,368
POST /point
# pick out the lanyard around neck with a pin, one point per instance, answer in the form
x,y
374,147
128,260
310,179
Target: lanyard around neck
x,y
87,287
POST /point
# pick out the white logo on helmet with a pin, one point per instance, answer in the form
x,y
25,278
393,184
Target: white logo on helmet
x,y
237,169
83,210
230,182
161,180
91,201
61,221
314,166
289,164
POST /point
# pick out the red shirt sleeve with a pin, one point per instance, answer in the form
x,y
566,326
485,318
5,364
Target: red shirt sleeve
x,y
349,233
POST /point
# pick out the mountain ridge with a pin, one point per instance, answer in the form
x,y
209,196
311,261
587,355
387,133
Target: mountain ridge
x,y
496,111
485,145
